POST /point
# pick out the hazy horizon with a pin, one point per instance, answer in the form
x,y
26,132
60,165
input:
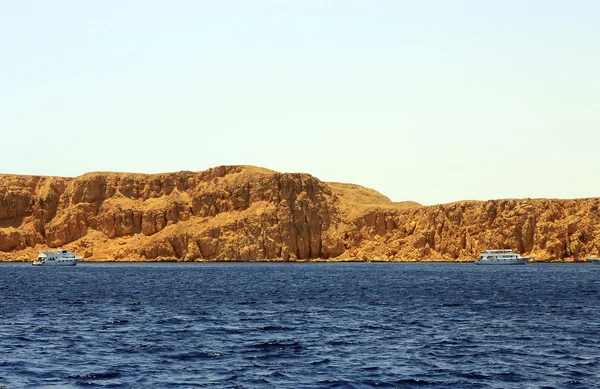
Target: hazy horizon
x,y
432,102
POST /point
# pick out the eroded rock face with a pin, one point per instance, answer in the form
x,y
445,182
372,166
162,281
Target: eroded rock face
x,y
548,229
225,213
244,213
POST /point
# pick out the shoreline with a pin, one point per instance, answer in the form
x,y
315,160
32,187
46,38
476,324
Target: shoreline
x,y
110,261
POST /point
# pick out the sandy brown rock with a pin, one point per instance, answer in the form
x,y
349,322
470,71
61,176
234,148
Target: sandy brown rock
x,y
244,213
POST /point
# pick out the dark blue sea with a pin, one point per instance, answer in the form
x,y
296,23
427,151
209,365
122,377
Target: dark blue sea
x,y
305,325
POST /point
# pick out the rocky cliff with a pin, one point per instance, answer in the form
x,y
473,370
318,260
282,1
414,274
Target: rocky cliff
x,y
244,213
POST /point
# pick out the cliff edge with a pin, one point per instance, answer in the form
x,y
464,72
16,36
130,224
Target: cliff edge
x,y
246,213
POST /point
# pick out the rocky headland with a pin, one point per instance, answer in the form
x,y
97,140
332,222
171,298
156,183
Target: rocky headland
x,y
245,213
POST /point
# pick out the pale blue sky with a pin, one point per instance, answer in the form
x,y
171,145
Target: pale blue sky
x,y
431,101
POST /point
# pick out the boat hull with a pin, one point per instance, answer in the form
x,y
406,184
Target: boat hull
x,y
595,261
502,261
55,263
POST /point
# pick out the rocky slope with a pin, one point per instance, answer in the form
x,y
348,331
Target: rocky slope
x,y
244,213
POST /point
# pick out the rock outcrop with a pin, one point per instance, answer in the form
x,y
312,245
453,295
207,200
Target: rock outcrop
x,y
244,213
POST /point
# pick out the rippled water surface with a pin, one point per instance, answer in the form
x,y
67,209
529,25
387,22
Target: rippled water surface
x,y
353,325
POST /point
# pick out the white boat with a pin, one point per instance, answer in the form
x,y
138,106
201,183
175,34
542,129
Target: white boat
x,y
595,261
501,257
56,258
